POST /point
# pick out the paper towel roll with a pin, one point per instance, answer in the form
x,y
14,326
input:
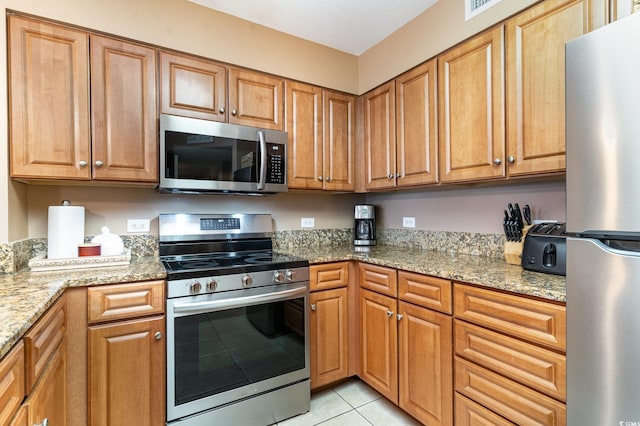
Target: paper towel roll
x,y
65,232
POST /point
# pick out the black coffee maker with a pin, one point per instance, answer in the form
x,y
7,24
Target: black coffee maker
x,y
364,233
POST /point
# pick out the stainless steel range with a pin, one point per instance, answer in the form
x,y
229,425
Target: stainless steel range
x,y
237,322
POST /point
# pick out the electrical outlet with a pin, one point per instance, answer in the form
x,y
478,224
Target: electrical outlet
x,y
307,222
408,222
137,225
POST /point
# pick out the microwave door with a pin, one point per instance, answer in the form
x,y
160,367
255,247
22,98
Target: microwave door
x,y
262,146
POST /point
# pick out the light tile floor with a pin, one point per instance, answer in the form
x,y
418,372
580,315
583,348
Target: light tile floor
x,y
352,403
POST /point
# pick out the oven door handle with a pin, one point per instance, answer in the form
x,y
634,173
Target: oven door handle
x,y
263,160
237,302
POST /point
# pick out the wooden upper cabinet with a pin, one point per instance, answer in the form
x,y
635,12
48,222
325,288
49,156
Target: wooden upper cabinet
x,y
192,87
380,137
48,100
339,136
536,81
124,112
471,109
256,99
416,126
304,128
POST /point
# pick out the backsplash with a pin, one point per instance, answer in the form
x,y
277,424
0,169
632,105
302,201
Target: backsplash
x,y
15,256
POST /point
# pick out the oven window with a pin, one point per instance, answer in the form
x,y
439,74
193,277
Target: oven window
x,y
220,351
203,157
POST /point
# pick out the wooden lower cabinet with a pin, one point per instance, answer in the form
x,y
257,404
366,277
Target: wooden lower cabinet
x,y
469,413
47,403
21,418
11,383
379,343
126,373
425,364
329,355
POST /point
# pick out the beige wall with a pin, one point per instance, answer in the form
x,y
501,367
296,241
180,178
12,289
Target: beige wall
x,y
438,28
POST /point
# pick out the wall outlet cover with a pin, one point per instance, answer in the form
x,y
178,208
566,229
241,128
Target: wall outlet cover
x,y
138,225
307,222
408,222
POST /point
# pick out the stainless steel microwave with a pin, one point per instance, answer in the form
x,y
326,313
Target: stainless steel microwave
x,y
207,156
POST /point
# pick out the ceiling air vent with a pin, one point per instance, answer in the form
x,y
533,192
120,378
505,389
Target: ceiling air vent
x,y
474,7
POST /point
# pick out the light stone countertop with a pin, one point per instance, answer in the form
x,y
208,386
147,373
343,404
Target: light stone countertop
x,y
25,296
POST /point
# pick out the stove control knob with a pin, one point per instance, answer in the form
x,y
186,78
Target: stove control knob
x,y
212,285
290,274
195,287
278,276
247,280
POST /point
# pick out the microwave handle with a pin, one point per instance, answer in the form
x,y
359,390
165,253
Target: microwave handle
x,y
263,160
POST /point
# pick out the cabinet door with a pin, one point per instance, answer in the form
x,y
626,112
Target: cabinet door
x,y
338,141
329,357
124,111
416,143
379,343
304,129
127,373
193,87
469,413
378,278
380,137
256,99
471,109
535,82
425,364
21,418
49,100
11,382
47,403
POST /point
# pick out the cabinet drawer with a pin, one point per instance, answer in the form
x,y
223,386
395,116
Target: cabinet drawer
x,y
11,383
120,301
507,398
539,368
43,339
424,290
328,275
378,278
469,413
539,322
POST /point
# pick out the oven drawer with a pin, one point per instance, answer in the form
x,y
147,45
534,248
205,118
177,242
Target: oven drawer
x,y
123,301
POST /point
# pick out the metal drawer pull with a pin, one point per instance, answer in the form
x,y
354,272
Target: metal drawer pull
x,y
45,422
389,313
399,316
158,335
313,306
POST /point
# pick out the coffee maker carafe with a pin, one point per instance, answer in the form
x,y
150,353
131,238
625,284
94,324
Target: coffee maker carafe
x,y
365,225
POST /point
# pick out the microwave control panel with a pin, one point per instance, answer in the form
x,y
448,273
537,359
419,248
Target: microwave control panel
x,y
276,165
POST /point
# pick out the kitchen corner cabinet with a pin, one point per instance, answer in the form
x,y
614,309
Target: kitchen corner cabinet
x,y
256,99
535,81
126,354
82,106
339,139
400,130
192,87
471,132
329,323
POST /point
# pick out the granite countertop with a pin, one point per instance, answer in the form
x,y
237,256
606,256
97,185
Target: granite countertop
x,y
25,296
488,272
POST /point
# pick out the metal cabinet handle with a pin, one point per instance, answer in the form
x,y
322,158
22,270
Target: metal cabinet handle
x,y
389,313
399,316
390,176
82,163
511,159
398,175
497,161
320,178
158,335
99,163
313,306
234,112
222,110
45,422
329,179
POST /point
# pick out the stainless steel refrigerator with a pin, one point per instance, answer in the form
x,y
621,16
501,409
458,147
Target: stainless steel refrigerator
x,y
603,219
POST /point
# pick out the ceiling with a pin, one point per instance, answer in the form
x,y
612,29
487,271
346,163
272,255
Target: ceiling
x,y
352,26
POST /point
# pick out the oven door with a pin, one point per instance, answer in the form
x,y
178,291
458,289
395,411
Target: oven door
x,y
230,346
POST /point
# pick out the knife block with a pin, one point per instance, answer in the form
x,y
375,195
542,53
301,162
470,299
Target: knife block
x,y
513,249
